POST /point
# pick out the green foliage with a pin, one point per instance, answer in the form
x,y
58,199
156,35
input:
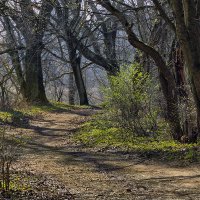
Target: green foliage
x,y
100,133
130,120
129,100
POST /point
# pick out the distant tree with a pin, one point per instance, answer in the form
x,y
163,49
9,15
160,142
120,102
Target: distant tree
x,y
67,18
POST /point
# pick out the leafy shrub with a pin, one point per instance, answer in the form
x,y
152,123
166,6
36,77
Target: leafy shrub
x,y
129,101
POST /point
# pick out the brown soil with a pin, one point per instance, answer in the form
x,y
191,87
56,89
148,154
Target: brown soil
x,y
92,174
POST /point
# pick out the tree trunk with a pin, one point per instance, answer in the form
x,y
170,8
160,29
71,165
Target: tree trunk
x,y
187,14
172,111
75,61
71,93
32,25
79,81
17,65
35,92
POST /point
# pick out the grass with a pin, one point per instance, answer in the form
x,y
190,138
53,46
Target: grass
x,y
99,133
16,115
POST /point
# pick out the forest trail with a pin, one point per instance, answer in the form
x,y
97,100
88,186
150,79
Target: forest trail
x,y
92,174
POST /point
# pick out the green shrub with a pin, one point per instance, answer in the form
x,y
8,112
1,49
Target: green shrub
x,y
129,101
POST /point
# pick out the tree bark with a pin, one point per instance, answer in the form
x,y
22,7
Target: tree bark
x,y
71,93
20,77
79,81
35,92
75,61
32,26
187,15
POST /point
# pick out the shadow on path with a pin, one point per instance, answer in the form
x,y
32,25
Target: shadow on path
x,y
102,173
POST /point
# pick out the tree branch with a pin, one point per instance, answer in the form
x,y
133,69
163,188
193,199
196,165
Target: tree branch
x,y
12,50
164,14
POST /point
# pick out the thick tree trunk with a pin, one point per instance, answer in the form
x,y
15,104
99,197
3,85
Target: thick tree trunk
x,y
35,92
172,110
187,14
193,64
32,26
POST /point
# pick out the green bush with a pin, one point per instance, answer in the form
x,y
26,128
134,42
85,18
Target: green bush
x,y
129,101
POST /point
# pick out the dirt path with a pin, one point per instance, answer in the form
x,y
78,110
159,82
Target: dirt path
x,y
90,174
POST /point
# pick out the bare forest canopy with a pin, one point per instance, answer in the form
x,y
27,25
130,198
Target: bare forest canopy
x,y
67,50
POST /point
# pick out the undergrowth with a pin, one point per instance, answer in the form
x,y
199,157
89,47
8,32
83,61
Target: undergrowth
x,y
100,133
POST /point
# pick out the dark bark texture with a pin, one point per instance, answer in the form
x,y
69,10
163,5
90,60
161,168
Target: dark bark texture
x,y
187,16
